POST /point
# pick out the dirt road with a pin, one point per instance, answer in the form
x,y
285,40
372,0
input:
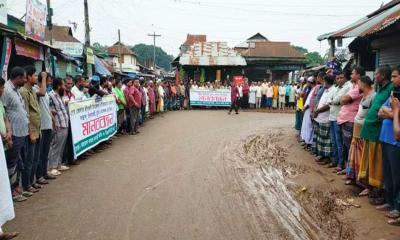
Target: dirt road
x,y
189,175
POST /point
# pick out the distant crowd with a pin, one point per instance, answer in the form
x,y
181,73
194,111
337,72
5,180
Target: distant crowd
x,y
268,94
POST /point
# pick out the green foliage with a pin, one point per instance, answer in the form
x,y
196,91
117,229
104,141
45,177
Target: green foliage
x,y
145,54
313,58
99,49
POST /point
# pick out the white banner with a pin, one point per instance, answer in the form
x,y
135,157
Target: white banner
x,y
6,203
209,97
93,121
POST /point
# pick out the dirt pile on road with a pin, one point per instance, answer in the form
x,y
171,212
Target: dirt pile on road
x,y
306,213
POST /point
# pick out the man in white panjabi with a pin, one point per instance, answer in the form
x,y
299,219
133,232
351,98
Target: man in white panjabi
x,y
6,203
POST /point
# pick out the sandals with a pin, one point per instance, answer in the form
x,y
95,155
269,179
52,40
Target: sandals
x,y
364,193
394,214
394,222
9,235
349,182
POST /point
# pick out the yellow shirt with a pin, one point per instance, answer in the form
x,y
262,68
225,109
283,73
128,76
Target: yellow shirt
x,y
275,89
300,104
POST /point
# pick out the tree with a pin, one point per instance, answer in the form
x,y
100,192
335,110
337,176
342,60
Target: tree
x,y
312,58
145,54
99,49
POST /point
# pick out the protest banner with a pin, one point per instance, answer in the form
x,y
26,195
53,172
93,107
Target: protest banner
x,y
210,98
93,121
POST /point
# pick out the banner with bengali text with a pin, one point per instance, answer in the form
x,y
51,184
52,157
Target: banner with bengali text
x,y
210,98
93,121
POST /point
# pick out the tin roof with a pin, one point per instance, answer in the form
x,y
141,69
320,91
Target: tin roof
x,y
114,50
270,50
61,34
191,39
379,20
211,54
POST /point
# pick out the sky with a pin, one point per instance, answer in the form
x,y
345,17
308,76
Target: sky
x,y
297,21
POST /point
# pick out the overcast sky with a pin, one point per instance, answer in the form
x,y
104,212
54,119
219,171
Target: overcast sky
x,y
233,21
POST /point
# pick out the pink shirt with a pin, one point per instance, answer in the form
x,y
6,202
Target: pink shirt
x,y
349,111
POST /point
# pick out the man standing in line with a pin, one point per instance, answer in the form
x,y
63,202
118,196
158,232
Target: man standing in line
x,y
342,87
275,98
79,90
264,93
321,116
292,96
121,102
19,120
350,103
129,105
282,96
152,99
68,156
137,96
258,95
61,127
32,108
371,169
270,95
287,95
46,129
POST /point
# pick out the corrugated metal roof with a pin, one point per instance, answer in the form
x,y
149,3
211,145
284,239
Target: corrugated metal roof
x,y
211,54
368,25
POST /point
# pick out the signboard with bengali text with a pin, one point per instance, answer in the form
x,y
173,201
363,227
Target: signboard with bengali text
x,y
36,19
93,121
210,98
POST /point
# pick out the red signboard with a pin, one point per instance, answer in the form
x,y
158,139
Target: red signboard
x,y
28,49
7,53
238,80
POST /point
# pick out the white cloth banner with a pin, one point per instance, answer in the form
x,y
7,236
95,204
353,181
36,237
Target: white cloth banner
x,y
209,97
6,203
93,121
252,97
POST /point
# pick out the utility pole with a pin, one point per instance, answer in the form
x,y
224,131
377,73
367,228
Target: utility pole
x,y
50,26
154,35
119,51
49,21
86,66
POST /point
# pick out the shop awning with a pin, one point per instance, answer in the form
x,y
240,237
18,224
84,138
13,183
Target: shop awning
x,y
100,68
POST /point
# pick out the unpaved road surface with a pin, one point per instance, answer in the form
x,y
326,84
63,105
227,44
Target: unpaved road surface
x,y
190,175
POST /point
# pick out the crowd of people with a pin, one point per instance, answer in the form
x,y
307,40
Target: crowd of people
x,y
268,94
350,123
36,130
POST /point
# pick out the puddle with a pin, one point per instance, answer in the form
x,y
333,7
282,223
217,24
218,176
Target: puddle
x,y
269,179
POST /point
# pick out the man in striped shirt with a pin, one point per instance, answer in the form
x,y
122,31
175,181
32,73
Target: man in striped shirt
x,y
61,127
18,117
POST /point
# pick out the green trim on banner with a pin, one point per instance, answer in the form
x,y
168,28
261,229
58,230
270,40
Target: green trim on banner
x,y
210,104
91,141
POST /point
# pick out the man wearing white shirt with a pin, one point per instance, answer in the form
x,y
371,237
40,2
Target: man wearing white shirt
x,y
282,96
258,95
321,116
78,89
